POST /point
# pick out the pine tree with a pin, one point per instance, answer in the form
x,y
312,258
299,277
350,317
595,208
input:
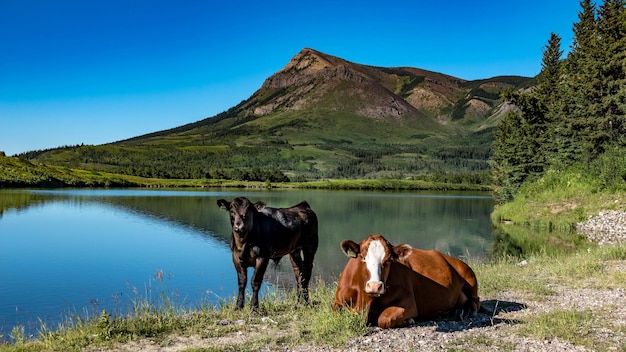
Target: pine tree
x,y
524,139
612,43
596,92
580,97
550,76
549,95
506,174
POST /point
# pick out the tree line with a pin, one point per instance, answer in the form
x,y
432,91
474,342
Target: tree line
x,y
576,115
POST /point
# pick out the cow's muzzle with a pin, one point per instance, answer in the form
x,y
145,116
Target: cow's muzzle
x,y
238,227
375,288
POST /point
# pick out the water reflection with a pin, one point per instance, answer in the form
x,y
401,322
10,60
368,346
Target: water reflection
x,y
518,241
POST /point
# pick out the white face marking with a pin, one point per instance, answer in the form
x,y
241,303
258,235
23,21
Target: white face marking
x,y
374,260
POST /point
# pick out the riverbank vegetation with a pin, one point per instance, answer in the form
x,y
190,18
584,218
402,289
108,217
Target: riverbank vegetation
x,y
558,200
563,154
16,172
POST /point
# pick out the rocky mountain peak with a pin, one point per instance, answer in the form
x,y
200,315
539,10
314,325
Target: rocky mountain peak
x,y
311,60
315,80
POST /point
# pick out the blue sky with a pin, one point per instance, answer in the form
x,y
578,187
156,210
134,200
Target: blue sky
x,y
94,72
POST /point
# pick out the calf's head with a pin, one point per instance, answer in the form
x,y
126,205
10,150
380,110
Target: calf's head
x,y
376,253
241,212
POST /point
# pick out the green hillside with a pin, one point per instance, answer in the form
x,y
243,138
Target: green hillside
x,y
321,117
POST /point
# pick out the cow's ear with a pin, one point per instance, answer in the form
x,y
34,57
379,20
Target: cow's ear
x,y
223,203
260,205
403,251
350,248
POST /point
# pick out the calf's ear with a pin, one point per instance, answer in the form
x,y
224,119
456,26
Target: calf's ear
x,y
259,205
350,248
223,203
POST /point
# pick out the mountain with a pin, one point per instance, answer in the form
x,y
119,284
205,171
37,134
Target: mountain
x,y
322,116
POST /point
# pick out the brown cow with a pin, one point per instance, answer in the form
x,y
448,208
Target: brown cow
x,y
398,284
258,236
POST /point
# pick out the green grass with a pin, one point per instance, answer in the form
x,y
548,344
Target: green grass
x,y
559,200
584,267
569,325
279,322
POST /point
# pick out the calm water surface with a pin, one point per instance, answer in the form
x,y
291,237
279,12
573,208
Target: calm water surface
x,y
69,252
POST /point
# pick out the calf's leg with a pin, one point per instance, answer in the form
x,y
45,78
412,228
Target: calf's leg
x,y
257,280
296,264
307,270
242,280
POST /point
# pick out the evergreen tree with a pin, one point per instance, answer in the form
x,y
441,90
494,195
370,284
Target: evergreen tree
x,y
549,94
524,139
507,166
612,43
595,96
550,76
580,98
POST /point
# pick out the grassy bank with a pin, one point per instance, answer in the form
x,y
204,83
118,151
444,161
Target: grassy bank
x,y
559,200
15,172
280,320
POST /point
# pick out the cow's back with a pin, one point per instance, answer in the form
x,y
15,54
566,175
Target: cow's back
x,y
429,263
448,271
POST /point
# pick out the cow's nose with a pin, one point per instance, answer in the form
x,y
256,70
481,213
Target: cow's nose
x,y
374,287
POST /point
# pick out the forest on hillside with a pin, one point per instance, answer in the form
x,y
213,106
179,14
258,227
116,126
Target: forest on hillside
x,y
576,115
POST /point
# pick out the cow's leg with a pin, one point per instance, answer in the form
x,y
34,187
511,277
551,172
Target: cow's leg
x,y
296,263
257,280
392,317
307,270
242,280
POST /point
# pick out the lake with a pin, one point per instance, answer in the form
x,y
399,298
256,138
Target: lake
x,y
76,252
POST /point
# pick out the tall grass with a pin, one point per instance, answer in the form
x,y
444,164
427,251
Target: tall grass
x,y
280,321
562,198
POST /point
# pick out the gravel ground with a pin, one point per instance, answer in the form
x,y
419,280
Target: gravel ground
x,y
606,228
493,329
